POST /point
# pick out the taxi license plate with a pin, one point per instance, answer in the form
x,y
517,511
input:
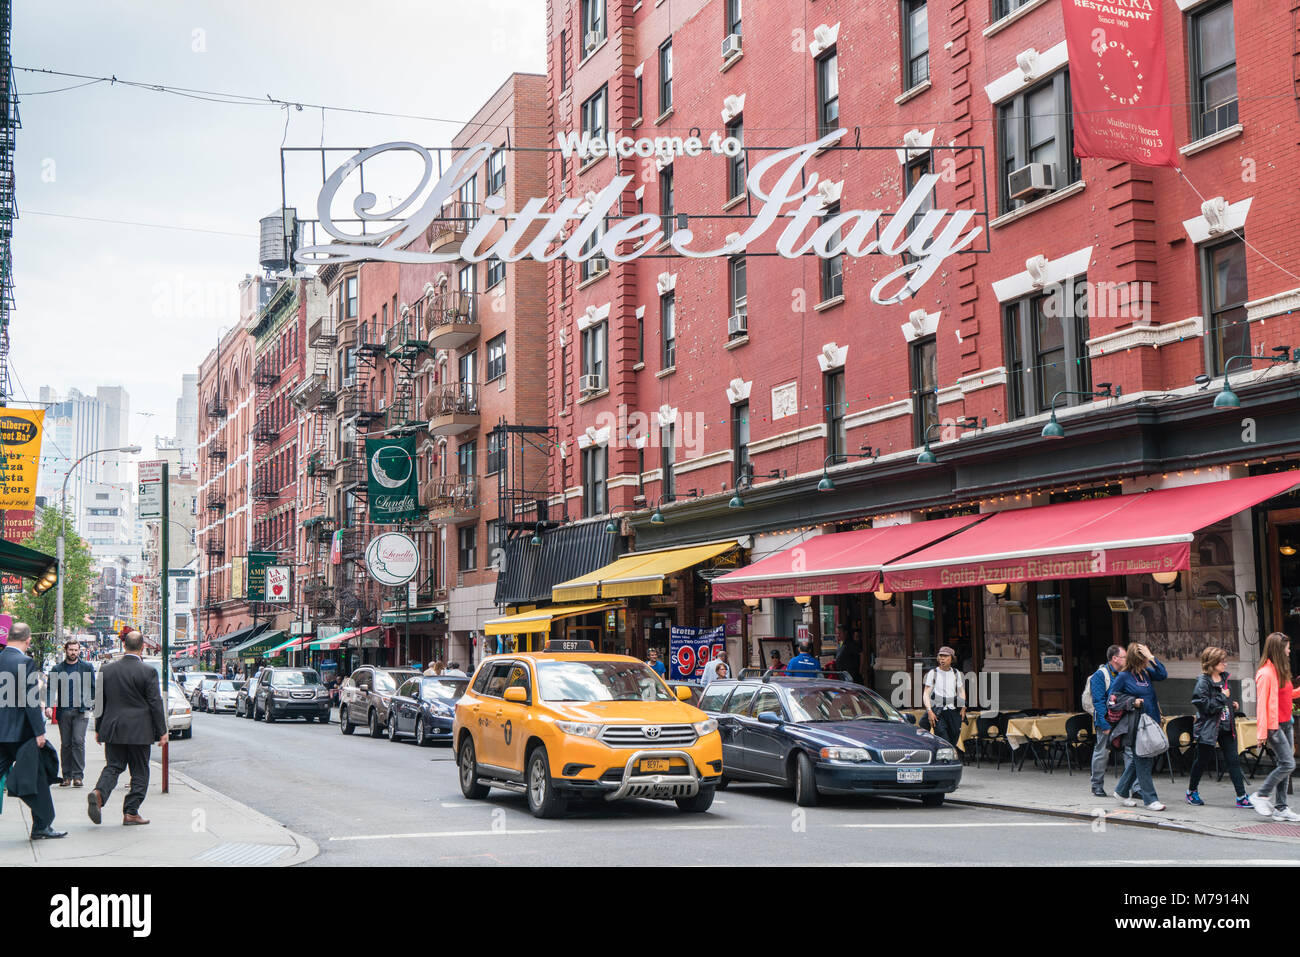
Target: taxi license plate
x,y
654,765
909,776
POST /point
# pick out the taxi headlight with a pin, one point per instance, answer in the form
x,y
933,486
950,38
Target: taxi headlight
x,y
707,726
578,728
946,754
846,754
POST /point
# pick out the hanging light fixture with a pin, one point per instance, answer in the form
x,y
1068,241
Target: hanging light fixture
x,y
752,602
1287,550
997,588
1165,578
881,594
803,599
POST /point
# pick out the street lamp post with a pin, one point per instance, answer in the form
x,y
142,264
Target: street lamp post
x,y
63,523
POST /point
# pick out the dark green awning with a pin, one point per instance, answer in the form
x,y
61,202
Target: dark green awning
x,y
26,562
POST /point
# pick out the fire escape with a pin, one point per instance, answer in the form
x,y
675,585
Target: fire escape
x,y
263,491
319,400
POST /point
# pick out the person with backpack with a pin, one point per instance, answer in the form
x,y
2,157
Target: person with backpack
x,y
1137,680
1214,724
945,698
1273,694
1095,693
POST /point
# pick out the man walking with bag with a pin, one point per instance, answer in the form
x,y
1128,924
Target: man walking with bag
x,y
72,696
131,719
21,721
1094,702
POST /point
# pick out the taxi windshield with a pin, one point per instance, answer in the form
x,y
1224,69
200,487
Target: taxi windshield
x,y
599,681
839,704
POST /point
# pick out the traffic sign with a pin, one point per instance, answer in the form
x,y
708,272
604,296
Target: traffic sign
x,y
151,489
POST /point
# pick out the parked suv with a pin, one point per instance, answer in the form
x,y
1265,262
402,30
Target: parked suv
x,y
364,697
291,693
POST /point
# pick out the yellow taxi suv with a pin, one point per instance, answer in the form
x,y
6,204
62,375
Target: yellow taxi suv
x,y
568,723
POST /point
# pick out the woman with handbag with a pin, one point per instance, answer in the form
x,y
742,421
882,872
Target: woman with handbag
x,y
1214,725
1141,671
1273,693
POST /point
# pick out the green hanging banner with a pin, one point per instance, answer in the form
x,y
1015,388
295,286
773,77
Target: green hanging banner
x,y
258,562
392,481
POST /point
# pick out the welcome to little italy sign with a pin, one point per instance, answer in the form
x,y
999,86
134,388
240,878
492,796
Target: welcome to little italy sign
x,y
787,199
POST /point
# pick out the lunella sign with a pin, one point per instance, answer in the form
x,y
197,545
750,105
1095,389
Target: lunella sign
x,y
580,228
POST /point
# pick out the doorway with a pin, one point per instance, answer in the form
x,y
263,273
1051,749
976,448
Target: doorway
x,y
1284,573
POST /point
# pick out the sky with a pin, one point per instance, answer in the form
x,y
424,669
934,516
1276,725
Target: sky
x,y
105,303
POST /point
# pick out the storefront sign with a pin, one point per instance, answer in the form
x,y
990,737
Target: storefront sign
x,y
277,583
19,525
392,559
1099,563
781,188
238,576
394,489
1119,84
20,442
258,563
690,649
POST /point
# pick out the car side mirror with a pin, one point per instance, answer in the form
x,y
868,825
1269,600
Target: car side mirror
x,y
516,694
683,693
770,717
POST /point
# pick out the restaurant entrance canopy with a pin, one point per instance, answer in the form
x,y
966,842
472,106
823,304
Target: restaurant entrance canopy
x,y
539,621
637,573
1120,535
839,563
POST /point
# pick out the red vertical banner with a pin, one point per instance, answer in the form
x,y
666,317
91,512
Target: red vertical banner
x,y
1119,84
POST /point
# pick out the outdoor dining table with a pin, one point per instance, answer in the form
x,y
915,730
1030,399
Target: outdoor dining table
x,y
1031,731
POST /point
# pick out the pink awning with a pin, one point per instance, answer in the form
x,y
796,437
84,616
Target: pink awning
x,y
839,563
1120,535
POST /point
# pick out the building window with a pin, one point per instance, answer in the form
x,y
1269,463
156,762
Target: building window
x,y
468,284
465,459
916,43
736,164
832,268
668,327
593,481
467,542
738,284
836,431
593,357
925,388
739,442
1213,69
593,114
828,93
564,60
733,17
640,98
564,377
496,452
1004,8
593,24
640,338
667,456
468,196
596,263
666,202
496,271
666,76
496,357
915,168
467,367
1223,268
1046,339
352,297
496,171
1036,127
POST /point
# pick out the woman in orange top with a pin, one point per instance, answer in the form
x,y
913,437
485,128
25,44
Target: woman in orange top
x,y
1273,693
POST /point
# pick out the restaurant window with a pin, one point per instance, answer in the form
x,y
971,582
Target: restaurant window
x,y
828,93
832,267
916,43
739,442
836,431
1213,69
667,456
1035,127
925,388
666,76
736,164
593,114
666,202
496,271
1223,270
465,454
593,481
496,171
1046,338
668,325
593,357
496,357
467,547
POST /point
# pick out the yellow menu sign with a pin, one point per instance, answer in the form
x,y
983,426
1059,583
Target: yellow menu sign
x,y
20,445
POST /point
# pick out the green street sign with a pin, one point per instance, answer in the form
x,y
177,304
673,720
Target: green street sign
x,y
392,482
257,565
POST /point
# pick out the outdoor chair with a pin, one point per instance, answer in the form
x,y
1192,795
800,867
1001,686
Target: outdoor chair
x,y
1181,740
989,733
1078,738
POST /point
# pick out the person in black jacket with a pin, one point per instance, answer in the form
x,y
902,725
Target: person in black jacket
x,y
21,720
131,719
1214,725
71,699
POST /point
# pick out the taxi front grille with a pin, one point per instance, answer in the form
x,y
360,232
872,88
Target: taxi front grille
x,y
648,736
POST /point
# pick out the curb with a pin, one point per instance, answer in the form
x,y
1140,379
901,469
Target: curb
x,y
305,849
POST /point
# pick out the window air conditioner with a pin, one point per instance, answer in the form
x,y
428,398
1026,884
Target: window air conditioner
x,y
599,264
349,381
1032,180
592,40
730,46
738,325
589,383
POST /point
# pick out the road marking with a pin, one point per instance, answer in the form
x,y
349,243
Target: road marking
x,y
459,804
403,837
704,827
976,824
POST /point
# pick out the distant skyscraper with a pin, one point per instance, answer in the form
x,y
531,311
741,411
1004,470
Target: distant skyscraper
x,y
187,420
76,425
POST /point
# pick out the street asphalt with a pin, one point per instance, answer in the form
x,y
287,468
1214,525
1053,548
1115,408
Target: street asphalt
x,y
373,802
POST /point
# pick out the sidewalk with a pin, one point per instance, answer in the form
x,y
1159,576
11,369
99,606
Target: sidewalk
x,y
191,826
1061,793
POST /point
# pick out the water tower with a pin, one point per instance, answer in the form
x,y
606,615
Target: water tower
x,y
279,239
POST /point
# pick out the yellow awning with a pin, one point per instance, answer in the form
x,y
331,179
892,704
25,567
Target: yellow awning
x,y
638,573
539,620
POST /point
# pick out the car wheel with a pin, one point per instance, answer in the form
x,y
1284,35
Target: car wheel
x,y
392,727
543,800
324,717
932,800
723,782
420,739
805,782
255,715
697,804
269,714
468,766
376,729
346,726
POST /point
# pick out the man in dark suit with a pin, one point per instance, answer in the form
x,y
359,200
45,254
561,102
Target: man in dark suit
x,y
21,720
131,718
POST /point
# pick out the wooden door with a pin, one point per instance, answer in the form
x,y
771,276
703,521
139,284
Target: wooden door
x,y
1049,646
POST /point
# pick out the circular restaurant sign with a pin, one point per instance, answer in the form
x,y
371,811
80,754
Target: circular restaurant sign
x,y
392,558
